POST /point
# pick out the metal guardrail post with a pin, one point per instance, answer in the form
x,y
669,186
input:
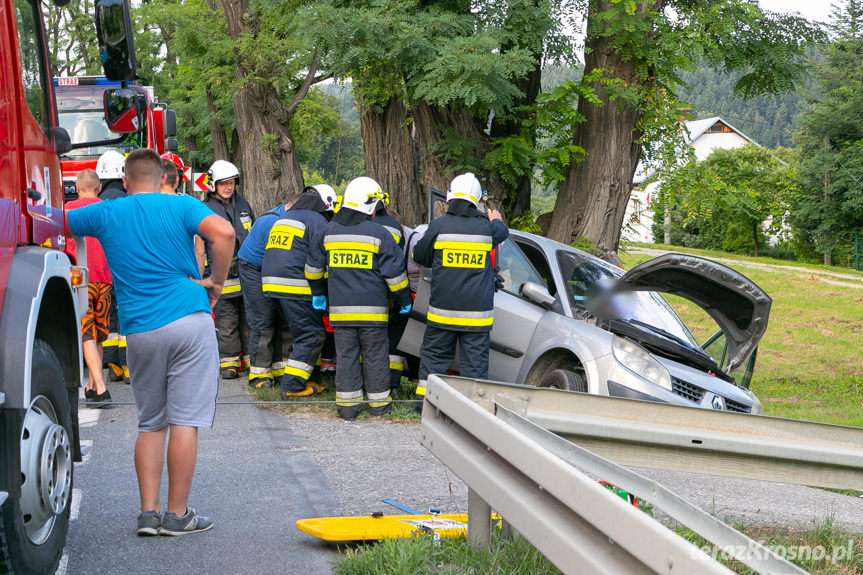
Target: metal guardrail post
x,y
580,526
478,520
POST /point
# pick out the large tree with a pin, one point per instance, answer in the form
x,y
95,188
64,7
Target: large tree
x,y
641,47
831,140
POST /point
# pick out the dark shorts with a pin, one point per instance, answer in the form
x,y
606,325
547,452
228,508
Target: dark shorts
x,y
94,324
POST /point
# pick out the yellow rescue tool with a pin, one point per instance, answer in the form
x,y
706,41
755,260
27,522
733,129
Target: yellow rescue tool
x,y
378,526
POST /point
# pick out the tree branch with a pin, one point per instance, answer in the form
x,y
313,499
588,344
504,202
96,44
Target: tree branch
x,y
304,87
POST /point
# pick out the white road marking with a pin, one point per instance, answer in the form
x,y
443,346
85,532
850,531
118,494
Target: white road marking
x,y
88,417
64,561
76,504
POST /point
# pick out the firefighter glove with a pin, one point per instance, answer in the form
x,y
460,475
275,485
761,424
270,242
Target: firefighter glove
x,y
319,302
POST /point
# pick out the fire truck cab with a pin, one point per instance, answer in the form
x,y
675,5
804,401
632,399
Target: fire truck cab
x,y
42,292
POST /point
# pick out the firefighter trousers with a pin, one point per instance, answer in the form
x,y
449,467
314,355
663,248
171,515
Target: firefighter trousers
x,y
233,332
395,330
307,328
370,343
114,348
269,338
439,349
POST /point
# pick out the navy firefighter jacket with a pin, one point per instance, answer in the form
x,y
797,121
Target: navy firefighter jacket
x,y
363,265
456,246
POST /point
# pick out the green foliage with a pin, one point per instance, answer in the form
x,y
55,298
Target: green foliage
x,y
724,201
830,205
525,223
420,556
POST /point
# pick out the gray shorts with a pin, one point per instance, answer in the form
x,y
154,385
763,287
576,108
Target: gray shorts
x,y
175,373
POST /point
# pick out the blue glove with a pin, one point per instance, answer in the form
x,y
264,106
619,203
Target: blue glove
x,y
405,309
319,302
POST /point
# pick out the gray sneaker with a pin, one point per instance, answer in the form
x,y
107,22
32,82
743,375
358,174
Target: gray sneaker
x,y
149,522
191,522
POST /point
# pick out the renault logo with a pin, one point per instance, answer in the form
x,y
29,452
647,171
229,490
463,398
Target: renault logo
x,y
718,403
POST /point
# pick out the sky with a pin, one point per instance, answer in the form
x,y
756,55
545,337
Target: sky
x,y
818,10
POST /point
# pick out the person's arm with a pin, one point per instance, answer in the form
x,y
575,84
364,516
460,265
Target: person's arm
x,y
423,252
316,263
393,269
499,231
220,234
200,254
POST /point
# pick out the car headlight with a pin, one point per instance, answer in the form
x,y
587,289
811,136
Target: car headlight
x,y
637,359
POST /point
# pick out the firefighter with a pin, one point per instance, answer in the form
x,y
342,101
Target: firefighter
x,y
269,338
110,167
283,278
456,246
397,321
178,165
222,180
363,265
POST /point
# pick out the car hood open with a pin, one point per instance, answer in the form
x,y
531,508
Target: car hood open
x,y
738,306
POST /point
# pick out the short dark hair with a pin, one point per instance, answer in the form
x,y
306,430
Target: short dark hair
x,y
169,168
144,169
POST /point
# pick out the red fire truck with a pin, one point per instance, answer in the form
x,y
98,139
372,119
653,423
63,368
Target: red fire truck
x,y
79,108
42,292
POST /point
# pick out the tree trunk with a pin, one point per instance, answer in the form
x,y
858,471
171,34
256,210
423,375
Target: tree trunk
x,y
271,171
391,158
217,131
755,237
592,199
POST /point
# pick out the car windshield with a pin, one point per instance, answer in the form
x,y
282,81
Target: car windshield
x,y
90,126
585,276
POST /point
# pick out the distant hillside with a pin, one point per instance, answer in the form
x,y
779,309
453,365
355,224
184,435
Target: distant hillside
x,y
769,120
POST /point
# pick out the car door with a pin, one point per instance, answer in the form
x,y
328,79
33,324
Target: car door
x,y
515,318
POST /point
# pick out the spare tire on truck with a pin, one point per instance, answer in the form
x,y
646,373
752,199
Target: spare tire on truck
x,y
33,525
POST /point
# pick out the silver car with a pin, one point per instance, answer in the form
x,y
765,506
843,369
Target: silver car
x,y
568,320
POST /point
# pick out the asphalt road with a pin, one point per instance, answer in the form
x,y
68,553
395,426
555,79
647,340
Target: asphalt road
x,y
253,478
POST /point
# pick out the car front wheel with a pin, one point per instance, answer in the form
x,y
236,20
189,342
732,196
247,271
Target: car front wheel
x,y
564,379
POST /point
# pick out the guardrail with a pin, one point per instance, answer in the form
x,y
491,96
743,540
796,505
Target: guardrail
x,y
493,437
3,495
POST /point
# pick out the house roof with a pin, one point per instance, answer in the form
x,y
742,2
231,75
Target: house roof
x,y
696,129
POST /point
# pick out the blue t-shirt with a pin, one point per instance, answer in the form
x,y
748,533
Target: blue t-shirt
x,y
255,243
148,242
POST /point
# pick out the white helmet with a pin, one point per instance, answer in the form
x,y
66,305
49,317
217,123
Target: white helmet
x,y
221,170
362,195
465,187
111,165
327,193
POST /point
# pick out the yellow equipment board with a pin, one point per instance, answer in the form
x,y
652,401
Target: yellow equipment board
x,y
374,527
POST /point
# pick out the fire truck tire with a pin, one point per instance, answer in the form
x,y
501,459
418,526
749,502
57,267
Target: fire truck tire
x,y
33,526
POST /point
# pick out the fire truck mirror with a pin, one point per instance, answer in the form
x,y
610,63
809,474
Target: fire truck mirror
x,y
170,123
62,141
122,112
116,46
171,145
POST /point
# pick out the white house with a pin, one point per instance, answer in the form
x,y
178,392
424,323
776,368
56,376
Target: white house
x,y
704,137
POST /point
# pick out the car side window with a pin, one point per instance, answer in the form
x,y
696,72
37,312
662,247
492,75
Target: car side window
x,y
30,50
540,263
515,269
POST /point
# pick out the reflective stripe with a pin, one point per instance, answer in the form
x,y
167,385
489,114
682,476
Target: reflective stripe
x,y
465,318
111,341
421,387
231,286
285,285
295,227
381,399
397,234
358,313
397,283
279,368
397,362
352,242
121,341
263,375
313,273
229,363
348,398
463,242
298,368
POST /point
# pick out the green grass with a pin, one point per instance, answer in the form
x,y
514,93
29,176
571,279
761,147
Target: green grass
x,y
809,361
420,556
400,413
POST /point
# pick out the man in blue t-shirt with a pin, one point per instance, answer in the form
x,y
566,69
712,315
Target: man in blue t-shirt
x,y
165,315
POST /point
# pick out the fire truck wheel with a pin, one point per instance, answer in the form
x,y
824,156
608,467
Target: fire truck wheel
x,y
33,526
